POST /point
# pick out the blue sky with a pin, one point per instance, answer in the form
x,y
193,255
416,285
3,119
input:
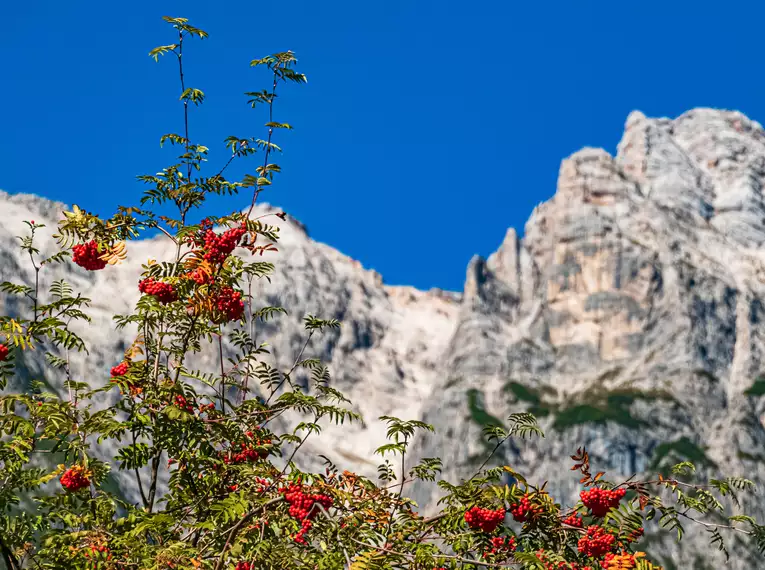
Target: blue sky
x,y
427,128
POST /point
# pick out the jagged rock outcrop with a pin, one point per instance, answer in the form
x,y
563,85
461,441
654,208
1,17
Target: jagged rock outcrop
x,y
630,318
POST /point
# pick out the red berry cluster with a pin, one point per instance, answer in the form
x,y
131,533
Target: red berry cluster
x,y
596,542
74,479
86,255
600,501
164,292
243,566
98,552
574,520
219,247
119,371
183,403
485,519
300,535
247,451
247,454
525,510
301,507
3,352
229,302
502,545
199,238
301,502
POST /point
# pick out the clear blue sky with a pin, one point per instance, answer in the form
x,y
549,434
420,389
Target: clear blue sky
x,y
427,128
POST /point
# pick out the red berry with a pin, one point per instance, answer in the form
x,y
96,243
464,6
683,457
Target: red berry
x,y
600,501
229,302
3,352
120,370
86,255
574,520
596,542
524,510
502,545
219,247
163,292
302,503
74,479
183,403
485,519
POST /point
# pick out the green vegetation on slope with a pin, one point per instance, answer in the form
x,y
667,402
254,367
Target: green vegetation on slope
x,y
600,406
757,388
477,410
596,405
588,413
683,449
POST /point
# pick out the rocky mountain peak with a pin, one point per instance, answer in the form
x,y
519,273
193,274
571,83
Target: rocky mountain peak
x,y
629,317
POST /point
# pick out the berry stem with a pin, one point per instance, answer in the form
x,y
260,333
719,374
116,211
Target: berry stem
x,y
270,134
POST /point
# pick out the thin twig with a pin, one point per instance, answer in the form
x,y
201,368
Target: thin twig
x,y
268,144
297,361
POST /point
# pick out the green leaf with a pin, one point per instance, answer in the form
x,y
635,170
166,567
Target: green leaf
x,y
161,50
194,95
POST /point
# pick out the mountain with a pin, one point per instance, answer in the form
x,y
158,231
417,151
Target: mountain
x,y
630,318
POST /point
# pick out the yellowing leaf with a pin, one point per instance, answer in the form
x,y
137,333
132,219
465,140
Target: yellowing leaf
x,y
115,254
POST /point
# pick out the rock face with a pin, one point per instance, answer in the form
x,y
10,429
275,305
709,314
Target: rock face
x,y
630,318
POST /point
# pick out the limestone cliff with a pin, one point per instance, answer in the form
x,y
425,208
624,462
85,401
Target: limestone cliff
x,y
629,318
